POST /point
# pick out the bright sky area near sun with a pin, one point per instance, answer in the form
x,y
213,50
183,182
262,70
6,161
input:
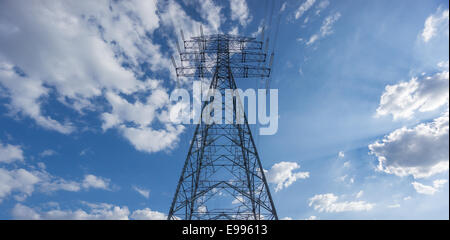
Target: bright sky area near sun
x,y
363,106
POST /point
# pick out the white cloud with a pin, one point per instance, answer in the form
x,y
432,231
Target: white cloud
x,y
326,28
22,183
329,203
50,183
240,11
344,179
306,20
238,200
435,24
443,64
312,39
212,13
92,181
402,100
24,94
283,175
172,15
85,51
359,194
327,25
85,151
149,140
341,154
47,153
429,190
144,192
147,214
394,205
421,151
140,113
100,211
10,153
305,6
283,7
23,212
235,31
322,5
311,218
19,181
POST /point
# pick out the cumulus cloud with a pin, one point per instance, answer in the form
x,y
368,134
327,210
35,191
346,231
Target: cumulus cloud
x,y
21,183
326,28
49,183
240,12
429,190
24,94
92,181
435,24
92,211
149,140
282,174
86,51
101,211
10,153
329,203
423,94
147,214
421,151
305,6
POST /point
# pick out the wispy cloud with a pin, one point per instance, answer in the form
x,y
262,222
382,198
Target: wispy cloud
x,y
326,28
305,6
47,153
144,192
436,24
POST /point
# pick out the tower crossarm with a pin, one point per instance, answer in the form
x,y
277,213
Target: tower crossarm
x,y
239,71
210,55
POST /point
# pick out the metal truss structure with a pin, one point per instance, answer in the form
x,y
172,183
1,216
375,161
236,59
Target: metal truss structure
x,y
222,177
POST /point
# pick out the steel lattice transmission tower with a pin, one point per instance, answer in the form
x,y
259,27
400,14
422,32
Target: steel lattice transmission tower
x,y
223,177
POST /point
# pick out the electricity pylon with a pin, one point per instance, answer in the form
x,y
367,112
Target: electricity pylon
x,y
222,177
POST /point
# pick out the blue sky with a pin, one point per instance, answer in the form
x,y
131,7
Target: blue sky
x,y
363,105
